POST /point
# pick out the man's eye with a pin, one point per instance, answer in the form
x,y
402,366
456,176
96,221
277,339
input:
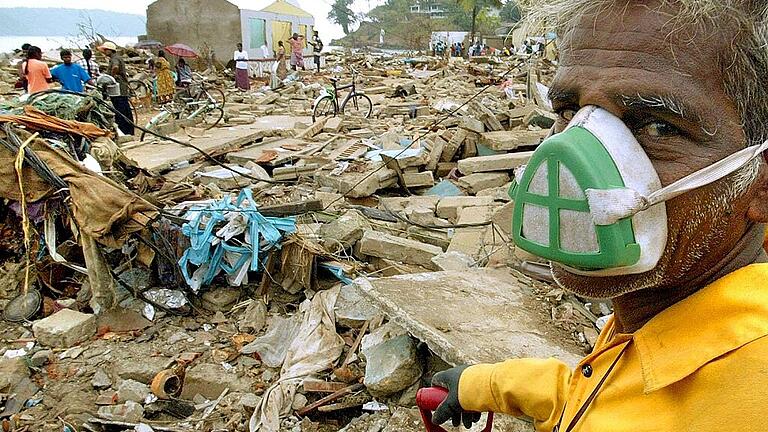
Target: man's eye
x,y
658,129
567,114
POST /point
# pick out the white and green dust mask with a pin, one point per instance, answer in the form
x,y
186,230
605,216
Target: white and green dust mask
x,y
591,200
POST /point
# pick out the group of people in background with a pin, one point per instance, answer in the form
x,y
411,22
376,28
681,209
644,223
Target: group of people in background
x,y
296,60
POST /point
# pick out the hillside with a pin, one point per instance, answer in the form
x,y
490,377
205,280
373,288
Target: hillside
x,y
64,22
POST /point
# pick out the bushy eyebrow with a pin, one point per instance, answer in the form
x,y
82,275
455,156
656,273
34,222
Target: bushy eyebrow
x,y
657,102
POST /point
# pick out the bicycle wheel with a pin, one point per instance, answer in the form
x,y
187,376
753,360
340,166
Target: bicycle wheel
x,y
211,117
323,108
155,122
359,105
214,95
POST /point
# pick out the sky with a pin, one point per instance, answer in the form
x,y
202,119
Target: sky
x,y
319,8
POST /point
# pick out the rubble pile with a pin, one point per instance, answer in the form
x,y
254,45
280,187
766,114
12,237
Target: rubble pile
x,y
238,278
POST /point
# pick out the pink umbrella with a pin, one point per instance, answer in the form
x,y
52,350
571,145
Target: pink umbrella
x,y
181,50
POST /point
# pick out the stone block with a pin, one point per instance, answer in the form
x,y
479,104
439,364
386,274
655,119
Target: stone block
x,y
220,299
134,391
502,162
127,412
209,380
407,251
358,184
453,145
473,241
422,179
474,183
345,231
392,366
449,207
333,125
472,124
141,369
64,328
510,140
438,146
502,218
540,118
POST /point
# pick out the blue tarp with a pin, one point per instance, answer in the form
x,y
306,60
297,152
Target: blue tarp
x,y
230,246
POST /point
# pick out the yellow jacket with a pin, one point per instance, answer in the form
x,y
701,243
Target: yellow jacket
x,y
699,366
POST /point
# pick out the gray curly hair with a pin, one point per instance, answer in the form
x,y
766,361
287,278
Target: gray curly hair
x,y
745,65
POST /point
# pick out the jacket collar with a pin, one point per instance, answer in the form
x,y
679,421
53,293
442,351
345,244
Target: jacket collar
x,y
714,321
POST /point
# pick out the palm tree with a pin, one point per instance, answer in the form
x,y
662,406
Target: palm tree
x,y
475,7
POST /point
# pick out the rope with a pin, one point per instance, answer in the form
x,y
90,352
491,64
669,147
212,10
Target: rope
x,y
19,165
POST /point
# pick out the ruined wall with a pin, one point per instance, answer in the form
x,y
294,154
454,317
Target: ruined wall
x,y
215,23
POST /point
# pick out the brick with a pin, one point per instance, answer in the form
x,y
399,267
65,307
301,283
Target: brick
x,y
422,179
510,140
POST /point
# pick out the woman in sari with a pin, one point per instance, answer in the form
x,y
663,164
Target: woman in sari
x,y
165,85
282,70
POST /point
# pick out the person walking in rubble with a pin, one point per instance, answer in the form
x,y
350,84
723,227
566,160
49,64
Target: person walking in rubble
x,y
242,81
89,64
121,104
282,70
660,204
317,48
70,75
165,84
36,72
22,82
183,73
297,51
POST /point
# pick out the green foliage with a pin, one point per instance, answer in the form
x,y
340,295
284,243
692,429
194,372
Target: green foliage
x,y
510,12
342,15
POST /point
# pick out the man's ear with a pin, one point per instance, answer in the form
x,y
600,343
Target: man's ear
x,y
758,206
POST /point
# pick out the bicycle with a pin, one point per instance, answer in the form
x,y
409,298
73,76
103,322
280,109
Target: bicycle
x,y
206,109
328,102
198,90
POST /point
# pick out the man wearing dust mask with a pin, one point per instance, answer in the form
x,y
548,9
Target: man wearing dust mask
x,y
654,193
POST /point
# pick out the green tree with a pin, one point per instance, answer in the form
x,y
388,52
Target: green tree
x,y
475,8
342,15
510,12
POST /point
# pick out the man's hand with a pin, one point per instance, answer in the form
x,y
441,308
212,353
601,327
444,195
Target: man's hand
x,y
451,409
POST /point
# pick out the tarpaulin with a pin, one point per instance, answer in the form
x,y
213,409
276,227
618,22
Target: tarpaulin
x,y
104,210
215,248
36,120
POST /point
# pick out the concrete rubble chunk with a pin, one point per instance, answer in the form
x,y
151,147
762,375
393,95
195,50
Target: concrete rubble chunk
x,y
41,358
380,335
421,179
352,310
480,181
101,380
450,207
358,184
64,328
209,380
511,140
345,231
392,366
472,125
453,261
130,390
502,217
127,412
502,162
407,251
333,125
475,242
540,118
220,299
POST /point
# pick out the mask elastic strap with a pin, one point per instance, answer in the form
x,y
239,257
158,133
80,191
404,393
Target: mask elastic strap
x,y
610,206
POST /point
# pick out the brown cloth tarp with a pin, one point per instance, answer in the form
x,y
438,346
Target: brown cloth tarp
x,y
36,120
103,209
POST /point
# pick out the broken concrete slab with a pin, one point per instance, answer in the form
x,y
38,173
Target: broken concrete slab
x,y
333,125
540,118
501,162
502,218
130,390
392,366
511,140
480,181
472,124
358,184
387,246
209,380
64,328
127,412
453,261
496,320
474,241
